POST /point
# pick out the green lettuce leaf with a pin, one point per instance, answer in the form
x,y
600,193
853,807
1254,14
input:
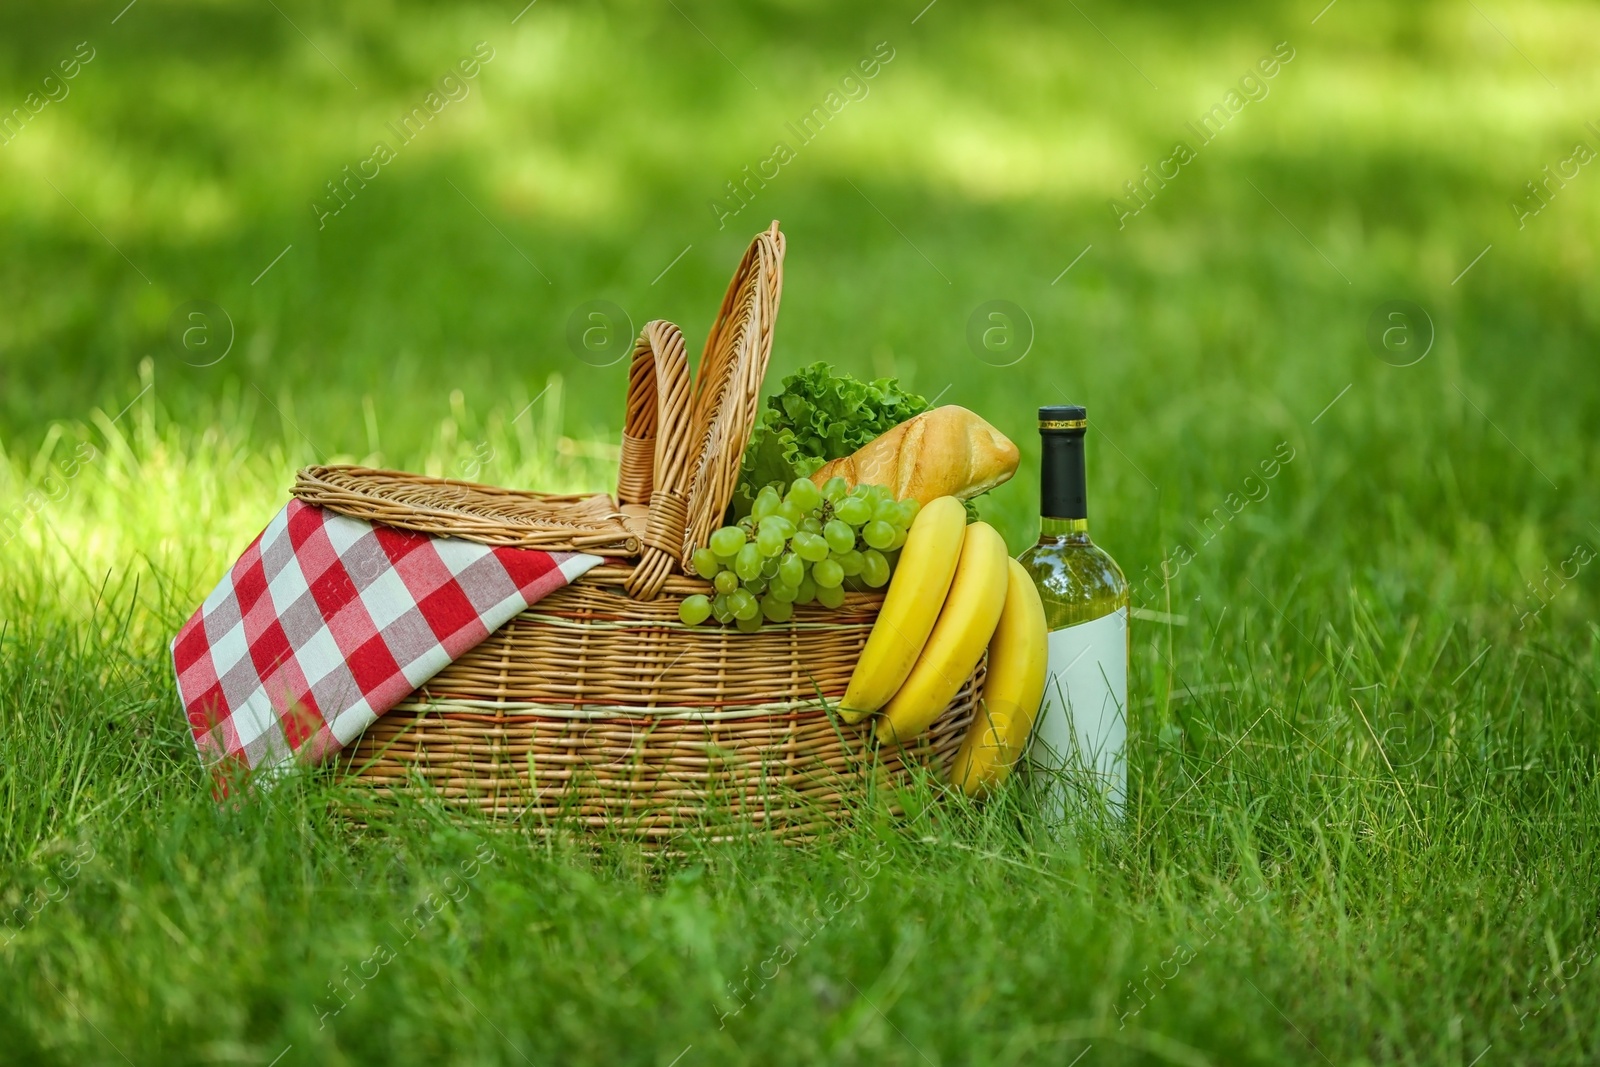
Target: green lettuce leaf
x,y
817,416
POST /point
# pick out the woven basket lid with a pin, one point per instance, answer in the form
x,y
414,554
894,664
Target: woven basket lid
x,y
445,507
681,449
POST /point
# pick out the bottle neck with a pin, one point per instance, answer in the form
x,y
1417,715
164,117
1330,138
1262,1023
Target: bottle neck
x,y
1063,496
1064,529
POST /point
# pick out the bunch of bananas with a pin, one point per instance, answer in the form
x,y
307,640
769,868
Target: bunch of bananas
x,y
954,593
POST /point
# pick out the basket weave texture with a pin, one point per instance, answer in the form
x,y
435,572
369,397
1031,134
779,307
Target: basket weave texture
x,y
649,727
598,707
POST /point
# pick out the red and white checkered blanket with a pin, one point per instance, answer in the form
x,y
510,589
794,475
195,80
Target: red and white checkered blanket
x,y
327,622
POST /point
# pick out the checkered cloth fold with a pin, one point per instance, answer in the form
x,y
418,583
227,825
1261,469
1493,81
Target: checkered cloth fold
x,y
326,622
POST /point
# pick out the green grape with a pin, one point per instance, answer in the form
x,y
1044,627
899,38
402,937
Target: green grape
x,y
777,610
804,494
725,582
704,562
854,510
807,591
827,574
878,534
694,610
791,568
874,568
811,547
778,525
909,509
769,568
835,489
840,537
850,562
886,509
727,541
830,596
791,511
769,542
750,625
811,524
767,502
899,538
747,564
757,585
743,604
783,592
720,609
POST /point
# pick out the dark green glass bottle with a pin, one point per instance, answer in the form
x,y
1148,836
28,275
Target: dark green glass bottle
x,y
1080,737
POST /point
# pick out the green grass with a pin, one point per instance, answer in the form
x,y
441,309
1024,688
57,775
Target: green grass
x,y
1364,791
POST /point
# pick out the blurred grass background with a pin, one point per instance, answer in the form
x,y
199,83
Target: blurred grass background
x,y
1394,560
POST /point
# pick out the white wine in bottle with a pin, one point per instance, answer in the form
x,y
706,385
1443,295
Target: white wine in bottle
x,y
1080,739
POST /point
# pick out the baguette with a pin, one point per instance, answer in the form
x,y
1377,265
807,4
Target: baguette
x,y
948,451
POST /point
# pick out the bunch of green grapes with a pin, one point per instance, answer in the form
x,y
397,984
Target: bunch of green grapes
x,y
797,547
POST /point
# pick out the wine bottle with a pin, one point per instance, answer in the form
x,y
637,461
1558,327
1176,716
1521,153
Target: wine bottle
x,y
1080,737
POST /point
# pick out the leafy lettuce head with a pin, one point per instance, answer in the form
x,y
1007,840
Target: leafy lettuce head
x,y
818,416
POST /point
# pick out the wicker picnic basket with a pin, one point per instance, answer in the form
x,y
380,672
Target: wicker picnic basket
x,y
597,707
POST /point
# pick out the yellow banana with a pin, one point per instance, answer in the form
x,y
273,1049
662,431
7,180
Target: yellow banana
x,y
1019,654
921,580
967,621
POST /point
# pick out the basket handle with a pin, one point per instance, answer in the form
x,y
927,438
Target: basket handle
x,y
655,451
727,386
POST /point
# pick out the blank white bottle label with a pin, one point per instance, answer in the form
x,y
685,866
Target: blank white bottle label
x,y
1081,736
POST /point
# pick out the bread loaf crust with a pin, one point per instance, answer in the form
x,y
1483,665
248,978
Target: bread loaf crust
x,y
948,451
